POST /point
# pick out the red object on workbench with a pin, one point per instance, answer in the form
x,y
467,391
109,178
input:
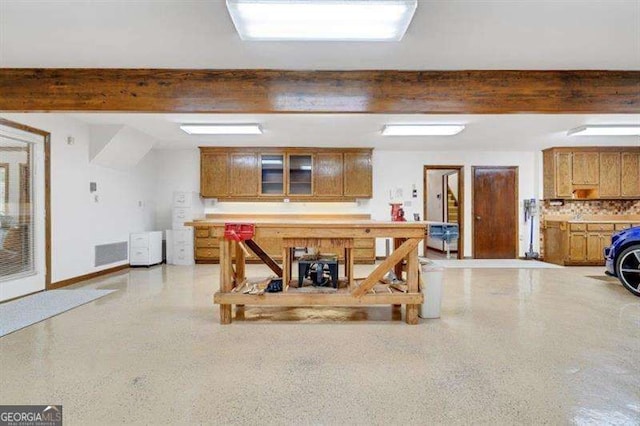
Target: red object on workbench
x,y
397,213
239,231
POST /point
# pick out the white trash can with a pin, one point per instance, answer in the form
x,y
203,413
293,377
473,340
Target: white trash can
x,y
431,287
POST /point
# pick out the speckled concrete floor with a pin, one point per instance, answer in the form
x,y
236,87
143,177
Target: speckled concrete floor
x,y
513,346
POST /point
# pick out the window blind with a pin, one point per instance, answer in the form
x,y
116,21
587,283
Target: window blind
x,y
16,208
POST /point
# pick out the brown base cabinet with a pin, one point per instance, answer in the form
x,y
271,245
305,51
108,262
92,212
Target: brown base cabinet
x,y
579,243
207,249
577,246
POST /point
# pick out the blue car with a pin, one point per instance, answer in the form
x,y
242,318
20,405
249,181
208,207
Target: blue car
x,y
623,258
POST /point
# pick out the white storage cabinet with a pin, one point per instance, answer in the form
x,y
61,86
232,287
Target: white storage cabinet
x,y
145,248
180,246
186,206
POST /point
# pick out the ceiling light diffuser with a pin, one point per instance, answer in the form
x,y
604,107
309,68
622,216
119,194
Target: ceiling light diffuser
x,y
606,130
328,20
422,129
222,129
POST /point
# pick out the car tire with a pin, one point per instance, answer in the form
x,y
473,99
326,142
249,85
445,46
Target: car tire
x,y
628,269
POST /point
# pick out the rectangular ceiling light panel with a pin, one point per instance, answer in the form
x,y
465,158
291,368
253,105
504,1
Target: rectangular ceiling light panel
x,y
606,130
222,129
422,129
326,20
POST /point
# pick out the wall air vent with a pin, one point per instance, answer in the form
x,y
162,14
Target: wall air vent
x,y
111,253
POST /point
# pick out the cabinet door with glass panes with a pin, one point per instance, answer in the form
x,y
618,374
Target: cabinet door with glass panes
x,y
300,176
272,169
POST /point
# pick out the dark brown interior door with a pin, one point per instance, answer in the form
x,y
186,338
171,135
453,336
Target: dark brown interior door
x,y
495,212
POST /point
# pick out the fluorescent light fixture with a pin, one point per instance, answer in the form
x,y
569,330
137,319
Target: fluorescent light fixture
x,y
422,129
268,161
327,20
222,129
606,130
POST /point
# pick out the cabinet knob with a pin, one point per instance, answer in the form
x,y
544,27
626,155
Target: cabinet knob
x,y
478,218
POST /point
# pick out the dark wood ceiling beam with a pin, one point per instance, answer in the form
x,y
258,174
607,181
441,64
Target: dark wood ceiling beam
x,y
273,91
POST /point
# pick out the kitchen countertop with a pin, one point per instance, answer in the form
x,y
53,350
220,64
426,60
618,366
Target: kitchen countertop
x,y
595,219
284,221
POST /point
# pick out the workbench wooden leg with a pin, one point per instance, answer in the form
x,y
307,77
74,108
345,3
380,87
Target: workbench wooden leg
x,y
349,264
397,269
226,278
286,268
412,285
240,264
292,252
225,314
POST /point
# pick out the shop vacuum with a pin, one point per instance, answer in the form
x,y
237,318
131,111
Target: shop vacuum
x,y
530,212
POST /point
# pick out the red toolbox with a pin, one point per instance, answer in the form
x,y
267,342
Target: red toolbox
x,y
239,231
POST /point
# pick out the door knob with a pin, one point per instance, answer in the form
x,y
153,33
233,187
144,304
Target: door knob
x,y
478,218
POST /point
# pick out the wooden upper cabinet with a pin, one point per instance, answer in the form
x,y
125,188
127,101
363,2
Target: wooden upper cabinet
x,y
244,174
298,174
548,175
630,182
591,172
214,174
358,179
328,174
609,174
564,170
586,167
272,168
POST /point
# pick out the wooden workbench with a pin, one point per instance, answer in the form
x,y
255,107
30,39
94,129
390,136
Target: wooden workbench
x,y
367,291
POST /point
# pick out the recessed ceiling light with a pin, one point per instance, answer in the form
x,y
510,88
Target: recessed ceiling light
x,y
328,20
422,129
605,130
222,129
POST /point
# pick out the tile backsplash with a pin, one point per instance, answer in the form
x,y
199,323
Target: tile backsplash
x,y
592,207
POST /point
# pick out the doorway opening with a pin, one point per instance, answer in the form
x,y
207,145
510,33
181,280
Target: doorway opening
x,y
444,202
495,212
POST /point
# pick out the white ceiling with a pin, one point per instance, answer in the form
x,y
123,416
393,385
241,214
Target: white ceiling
x,y
445,34
520,132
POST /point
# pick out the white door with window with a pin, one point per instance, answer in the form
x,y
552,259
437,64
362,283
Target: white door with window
x,y
22,213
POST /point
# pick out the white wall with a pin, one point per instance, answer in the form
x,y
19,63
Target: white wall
x,y
78,222
179,170
392,170
404,169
